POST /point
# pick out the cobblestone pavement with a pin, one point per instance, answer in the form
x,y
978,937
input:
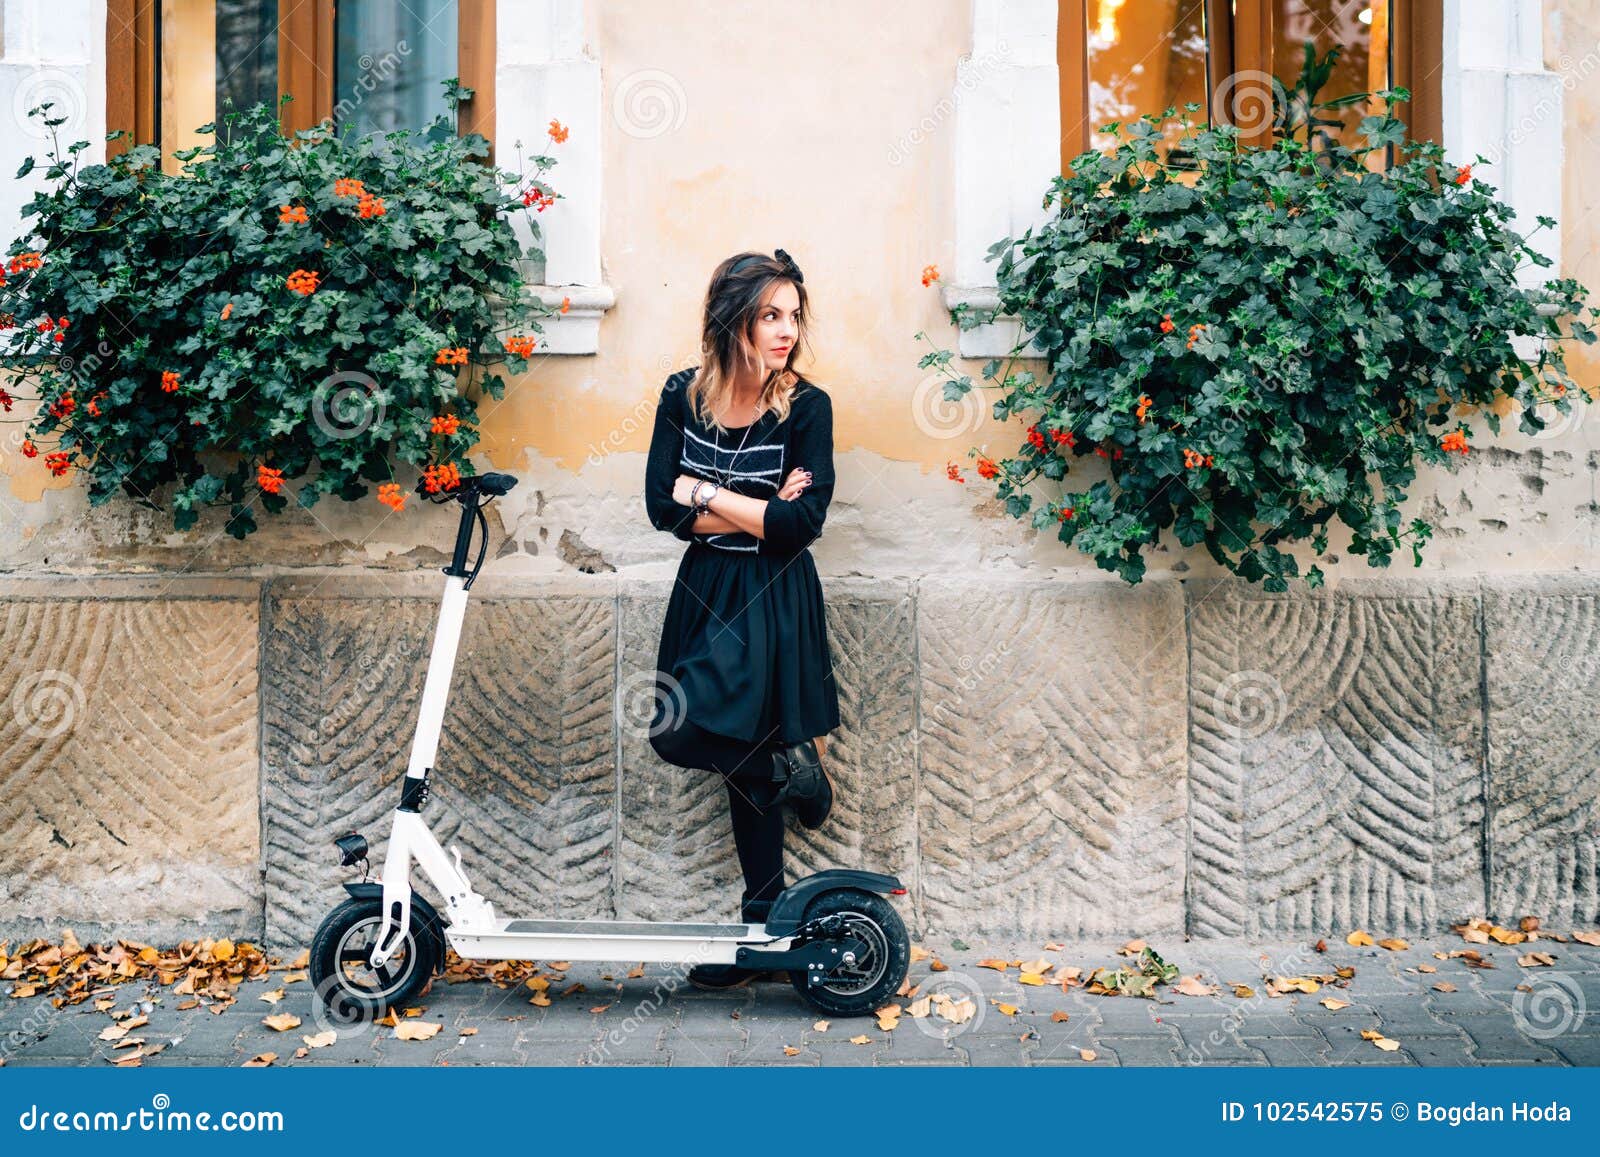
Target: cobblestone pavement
x,y
656,1019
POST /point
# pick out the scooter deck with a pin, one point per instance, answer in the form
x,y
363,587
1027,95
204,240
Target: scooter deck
x,y
614,940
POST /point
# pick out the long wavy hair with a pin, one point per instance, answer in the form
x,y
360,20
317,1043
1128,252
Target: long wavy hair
x,y
733,303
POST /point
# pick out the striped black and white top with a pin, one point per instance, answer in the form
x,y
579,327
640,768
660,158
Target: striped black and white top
x,y
754,461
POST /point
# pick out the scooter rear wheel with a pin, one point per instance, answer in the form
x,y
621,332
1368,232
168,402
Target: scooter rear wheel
x,y
866,984
347,984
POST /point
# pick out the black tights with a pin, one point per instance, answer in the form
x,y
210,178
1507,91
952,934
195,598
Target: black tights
x,y
746,770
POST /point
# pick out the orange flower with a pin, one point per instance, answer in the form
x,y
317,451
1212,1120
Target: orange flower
x,y
269,478
451,356
389,494
62,406
1166,323
558,132
437,478
448,424
169,382
1193,458
520,344
1063,514
29,450
1454,440
1194,334
953,472
292,215
539,200
930,274
59,462
348,187
227,311
303,282
1463,174
24,261
1144,406
93,407
370,206
987,468
566,304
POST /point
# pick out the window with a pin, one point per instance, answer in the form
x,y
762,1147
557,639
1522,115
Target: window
x,y
172,65
1119,59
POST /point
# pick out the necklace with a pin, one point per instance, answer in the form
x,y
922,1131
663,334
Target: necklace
x,y
733,458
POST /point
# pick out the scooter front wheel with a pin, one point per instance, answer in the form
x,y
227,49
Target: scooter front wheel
x,y
863,985
340,970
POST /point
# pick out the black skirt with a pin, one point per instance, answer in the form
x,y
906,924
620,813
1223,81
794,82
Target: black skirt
x,y
744,646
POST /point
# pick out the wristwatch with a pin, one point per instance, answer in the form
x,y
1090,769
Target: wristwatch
x,y
702,505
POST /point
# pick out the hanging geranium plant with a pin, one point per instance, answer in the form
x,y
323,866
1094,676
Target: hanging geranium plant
x,y
1255,341
281,318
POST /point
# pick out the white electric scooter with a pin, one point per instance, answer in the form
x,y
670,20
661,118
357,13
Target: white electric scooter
x,y
842,943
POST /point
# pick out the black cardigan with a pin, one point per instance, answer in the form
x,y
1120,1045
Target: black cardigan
x,y
805,439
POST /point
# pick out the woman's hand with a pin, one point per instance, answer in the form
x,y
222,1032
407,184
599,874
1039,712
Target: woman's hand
x,y
799,478
683,487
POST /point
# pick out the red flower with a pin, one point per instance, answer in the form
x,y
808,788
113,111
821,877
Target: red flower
x,y
448,424
389,494
6,400
269,478
1454,440
93,407
1463,174
437,478
1064,513
369,206
1035,438
987,468
59,462
1166,323
303,281
1064,436
1144,406
539,200
520,344
930,274
29,450
451,356
953,472
24,261
62,406
169,382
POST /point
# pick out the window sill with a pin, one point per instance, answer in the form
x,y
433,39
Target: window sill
x,y
578,330
995,340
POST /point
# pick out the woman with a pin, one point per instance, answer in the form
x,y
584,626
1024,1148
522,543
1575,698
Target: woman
x,y
741,468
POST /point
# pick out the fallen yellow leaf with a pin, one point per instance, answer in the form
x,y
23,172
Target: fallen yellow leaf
x,y
1086,1054
861,1039
1333,1003
283,1021
321,1040
820,1026
1031,978
790,1051
260,1060
1444,986
416,1030
997,965
1059,1017
1359,939
1394,945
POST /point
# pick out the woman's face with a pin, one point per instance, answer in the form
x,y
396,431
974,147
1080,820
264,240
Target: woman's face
x,y
777,325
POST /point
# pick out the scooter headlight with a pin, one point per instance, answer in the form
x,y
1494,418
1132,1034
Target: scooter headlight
x,y
352,848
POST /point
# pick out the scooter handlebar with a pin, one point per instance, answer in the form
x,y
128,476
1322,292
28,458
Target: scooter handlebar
x,y
490,485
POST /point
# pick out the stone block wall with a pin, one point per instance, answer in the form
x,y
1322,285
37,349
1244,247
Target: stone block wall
x,y
1035,757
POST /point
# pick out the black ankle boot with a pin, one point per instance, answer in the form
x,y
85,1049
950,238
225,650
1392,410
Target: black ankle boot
x,y
802,784
713,977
